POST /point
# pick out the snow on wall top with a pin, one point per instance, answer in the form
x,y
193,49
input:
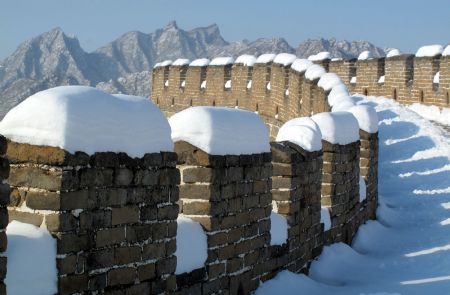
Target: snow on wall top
x,y
338,127
366,116
81,118
163,64
338,93
320,56
284,59
222,61
265,58
393,52
446,51
301,65
181,62
365,55
220,130
329,80
192,248
201,62
314,72
343,104
303,131
246,60
430,50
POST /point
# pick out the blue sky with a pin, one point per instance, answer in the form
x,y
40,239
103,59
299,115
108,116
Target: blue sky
x,y
387,23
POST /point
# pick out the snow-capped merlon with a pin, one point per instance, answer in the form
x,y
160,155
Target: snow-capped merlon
x,y
430,50
367,117
314,72
192,248
303,131
265,58
201,62
163,64
337,128
301,65
329,80
325,218
393,52
338,93
181,62
222,61
81,118
278,229
343,104
446,51
220,130
320,56
284,59
365,55
246,60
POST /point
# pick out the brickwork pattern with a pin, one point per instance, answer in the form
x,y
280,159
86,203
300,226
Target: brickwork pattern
x,y
4,201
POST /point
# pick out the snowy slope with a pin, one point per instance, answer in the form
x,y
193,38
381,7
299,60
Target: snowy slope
x,y
406,251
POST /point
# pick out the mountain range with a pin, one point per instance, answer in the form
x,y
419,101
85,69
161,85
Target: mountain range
x,y
124,65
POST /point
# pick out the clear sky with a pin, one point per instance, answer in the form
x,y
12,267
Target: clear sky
x,y
405,24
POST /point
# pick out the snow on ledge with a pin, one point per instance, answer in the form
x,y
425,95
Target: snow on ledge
x,y
430,50
181,62
446,51
320,56
367,117
246,60
338,93
362,189
201,62
325,218
81,118
314,72
31,257
343,104
303,131
163,64
265,58
222,61
284,59
338,127
436,78
365,55
220,130
192,248
278,229
329,80
393,52
301,65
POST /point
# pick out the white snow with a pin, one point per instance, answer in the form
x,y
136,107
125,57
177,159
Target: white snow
x,y
303,131
163,64
365,55
393,52
31,254
301,65
338,127
338,93
265,58
203,85
314,72
325,218
436,78
246,60
222,61
192,248
181,62
406,250
344,104
268,86
201,62
367,117
328,81
336,59
320,56
284,59
446,51
183,84
382,79
362,189
228,84
278,229
353,80
81,118
166,84
429,50
433,113
221,131
249,84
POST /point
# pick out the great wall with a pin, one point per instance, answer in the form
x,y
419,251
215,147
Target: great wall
x,y
114,216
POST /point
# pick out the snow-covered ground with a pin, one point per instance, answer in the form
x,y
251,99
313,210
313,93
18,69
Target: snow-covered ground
x,y
407,250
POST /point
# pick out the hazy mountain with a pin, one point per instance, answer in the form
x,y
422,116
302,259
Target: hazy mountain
x,y
125,65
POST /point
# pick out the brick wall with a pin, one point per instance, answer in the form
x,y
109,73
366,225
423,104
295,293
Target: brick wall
x,y
4,201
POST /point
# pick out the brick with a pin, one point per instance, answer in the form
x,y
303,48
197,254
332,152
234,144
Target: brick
x,y
124,215
110,236
121,276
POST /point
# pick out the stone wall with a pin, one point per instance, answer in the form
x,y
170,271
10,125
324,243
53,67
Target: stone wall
x,y
4,201
113,217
